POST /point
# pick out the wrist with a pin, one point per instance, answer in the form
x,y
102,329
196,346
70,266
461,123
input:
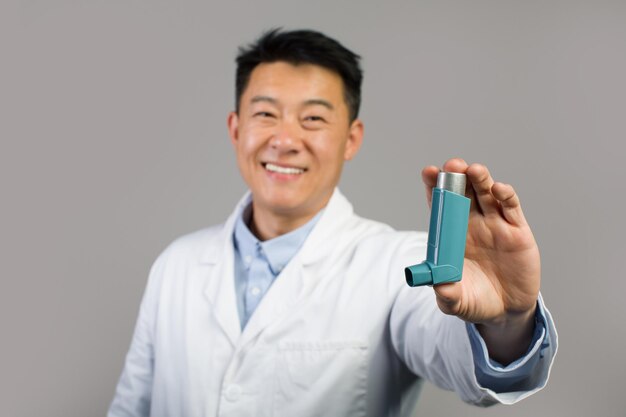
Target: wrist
x,y
510,322
508,338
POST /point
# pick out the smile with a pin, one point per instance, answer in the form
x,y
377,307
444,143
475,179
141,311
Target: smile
x,y
283,170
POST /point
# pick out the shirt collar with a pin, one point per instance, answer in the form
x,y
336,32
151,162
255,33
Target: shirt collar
x,y
277,251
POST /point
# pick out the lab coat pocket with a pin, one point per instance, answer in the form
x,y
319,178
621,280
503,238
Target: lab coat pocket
x,y
321,378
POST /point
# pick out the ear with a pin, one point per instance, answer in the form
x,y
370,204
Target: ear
x,y
233,127
355,139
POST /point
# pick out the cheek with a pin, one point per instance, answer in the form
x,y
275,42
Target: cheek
x,y
254,138
331,162
338,153
245,160
247,146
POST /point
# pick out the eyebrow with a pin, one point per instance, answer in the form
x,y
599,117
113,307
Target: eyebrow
x,y
257,99
310,102
319,102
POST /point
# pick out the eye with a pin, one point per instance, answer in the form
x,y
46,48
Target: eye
x,y
314,118
263,114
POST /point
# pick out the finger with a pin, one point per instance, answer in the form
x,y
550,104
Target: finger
x,y
509,201
455,165
429,177
482,182
448,297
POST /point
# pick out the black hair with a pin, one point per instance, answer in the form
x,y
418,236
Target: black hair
x,y
302,47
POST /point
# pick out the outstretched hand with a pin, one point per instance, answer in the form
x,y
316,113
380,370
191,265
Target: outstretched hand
x,y
501,271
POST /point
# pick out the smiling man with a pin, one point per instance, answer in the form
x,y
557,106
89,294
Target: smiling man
x,y
295,306
292,133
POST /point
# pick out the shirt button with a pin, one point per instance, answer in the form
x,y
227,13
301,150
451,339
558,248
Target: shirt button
x,y
233,392
247,259
255,291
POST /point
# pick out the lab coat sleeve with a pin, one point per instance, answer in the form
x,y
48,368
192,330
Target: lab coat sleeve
x,y
134,389
523,374
437,346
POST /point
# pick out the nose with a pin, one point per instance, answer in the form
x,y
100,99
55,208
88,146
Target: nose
x,y
287,138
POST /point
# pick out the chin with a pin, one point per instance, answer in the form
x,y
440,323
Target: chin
x,y
284,201
283,204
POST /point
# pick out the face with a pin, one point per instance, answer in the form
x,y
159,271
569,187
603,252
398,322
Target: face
x,y
291,136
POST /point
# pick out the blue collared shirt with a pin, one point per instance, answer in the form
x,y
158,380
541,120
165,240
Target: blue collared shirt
x,y
257,264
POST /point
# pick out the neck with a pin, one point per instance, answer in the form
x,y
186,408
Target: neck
x,y
266,226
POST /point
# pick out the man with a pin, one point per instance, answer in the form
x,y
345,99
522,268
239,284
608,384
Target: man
x,y
298,307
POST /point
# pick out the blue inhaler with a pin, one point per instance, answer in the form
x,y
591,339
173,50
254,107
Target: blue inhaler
x,y
447,232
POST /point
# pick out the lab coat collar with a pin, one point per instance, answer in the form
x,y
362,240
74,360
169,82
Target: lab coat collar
x,y
214,250
277,251
219,290
290,285
316,247
322,239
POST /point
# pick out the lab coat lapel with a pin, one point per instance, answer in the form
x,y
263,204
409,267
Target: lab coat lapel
x,y
283,294
298,277
219,290
323,238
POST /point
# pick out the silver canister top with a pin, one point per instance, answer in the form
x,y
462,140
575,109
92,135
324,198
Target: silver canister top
x,y
452,181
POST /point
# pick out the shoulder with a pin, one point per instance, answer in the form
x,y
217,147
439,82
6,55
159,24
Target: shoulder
x,y
182,255
384,236
193,246
382,253
374,239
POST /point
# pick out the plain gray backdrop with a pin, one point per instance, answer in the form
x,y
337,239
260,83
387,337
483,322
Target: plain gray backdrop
x,y
113,143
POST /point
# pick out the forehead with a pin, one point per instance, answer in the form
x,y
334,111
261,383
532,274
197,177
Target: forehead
x,y
289,82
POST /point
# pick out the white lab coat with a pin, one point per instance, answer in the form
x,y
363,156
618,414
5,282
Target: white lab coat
x,y
339,333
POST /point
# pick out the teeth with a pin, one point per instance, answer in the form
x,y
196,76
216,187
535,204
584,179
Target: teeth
x,y
283,170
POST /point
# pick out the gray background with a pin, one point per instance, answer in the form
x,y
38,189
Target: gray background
x,y
113,143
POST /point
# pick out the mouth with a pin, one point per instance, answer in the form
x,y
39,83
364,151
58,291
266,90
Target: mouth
x,y
285,170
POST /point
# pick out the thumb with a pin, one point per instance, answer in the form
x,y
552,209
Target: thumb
x,y
449,297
